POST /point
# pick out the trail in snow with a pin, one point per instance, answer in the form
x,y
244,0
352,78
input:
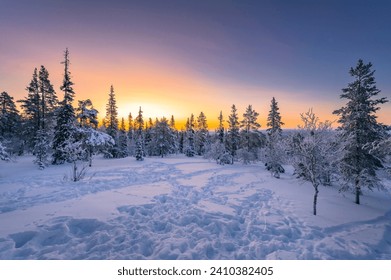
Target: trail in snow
x,y
191,209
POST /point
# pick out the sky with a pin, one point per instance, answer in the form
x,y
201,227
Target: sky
x,y
177,57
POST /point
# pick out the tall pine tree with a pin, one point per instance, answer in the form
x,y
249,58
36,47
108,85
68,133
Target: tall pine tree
x,y
233,136
65,118
359,129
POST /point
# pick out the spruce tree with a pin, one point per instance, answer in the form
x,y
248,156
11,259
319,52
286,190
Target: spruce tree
x,y
112,115
273,150
122,140
220,129
188,145
139,127
9,116
201,134
359,129
65,118
86,114
233,137
48,99
251,139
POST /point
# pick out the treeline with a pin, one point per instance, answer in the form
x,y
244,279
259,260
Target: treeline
x,y
55,132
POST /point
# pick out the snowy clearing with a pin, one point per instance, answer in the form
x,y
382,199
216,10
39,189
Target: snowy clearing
x,y
182,208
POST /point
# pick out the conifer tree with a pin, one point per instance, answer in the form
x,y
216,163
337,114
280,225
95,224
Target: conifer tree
x,y
122,140
65,118
201,134
138,127
359,129
188,143
48,99
220,129
112,115
273,151
233,137
87,115
251,138
9,116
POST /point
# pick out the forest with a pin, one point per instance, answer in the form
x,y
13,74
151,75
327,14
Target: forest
x,y
349,157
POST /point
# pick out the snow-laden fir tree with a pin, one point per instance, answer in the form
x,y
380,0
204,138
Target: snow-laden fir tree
x,y
148,137
41,151
359,128
233,136
201,134
9,116
175,133
131,140
65,118
138,134
3,153
86,114
274,153
313,154
220,131
48,99
122,140
111,115
251,137
164,138
188,142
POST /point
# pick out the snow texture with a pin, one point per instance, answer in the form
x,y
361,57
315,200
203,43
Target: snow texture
x,y
182,208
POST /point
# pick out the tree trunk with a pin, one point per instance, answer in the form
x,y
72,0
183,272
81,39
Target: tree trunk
x,y
315,198
358,192
74,171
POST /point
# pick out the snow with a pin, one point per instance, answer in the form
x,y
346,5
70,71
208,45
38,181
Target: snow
x,y
183,208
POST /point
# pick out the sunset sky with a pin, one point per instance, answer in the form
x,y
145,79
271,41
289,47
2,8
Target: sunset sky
x,y
182,57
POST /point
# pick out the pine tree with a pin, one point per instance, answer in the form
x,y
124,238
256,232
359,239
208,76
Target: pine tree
x,y
41,149
65,118
233,137
220,129
87,115
122,140
48,99
251,138
139,126
273,150
3,153
201,134
359,129
112,115
274,122
188,145
9,116
164,138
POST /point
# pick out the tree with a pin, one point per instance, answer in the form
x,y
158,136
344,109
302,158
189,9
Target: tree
x,y
3,153
312,155
48,99
65,118
164,138
274,122
274,150
112,115
358,129
251,138
201,134
233,137
122,140
220,129
87,115
188,143
138,127
9,116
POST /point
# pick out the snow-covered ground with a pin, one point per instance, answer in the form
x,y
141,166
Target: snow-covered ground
x,y
182,208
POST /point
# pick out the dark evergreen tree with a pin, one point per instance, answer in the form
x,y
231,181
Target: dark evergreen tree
x,y
233,137
164,138
122,140
359,129
47,98
220,129
112,115
188,145
138,130
41,150
86,114
274,150
65,118
251,137
201,134
9,116
274,122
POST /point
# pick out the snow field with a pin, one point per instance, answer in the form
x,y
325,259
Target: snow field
x,y
182,208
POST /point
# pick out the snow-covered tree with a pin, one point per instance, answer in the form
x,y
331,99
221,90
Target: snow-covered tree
x,y
31,105
220,131
111,115
358,129
201,134
48,99
9,116
3,153
313,154
164,138
122,140
274,153
251,137
86,115
138,131
233,137
65,118
94,140
188,142
41,150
